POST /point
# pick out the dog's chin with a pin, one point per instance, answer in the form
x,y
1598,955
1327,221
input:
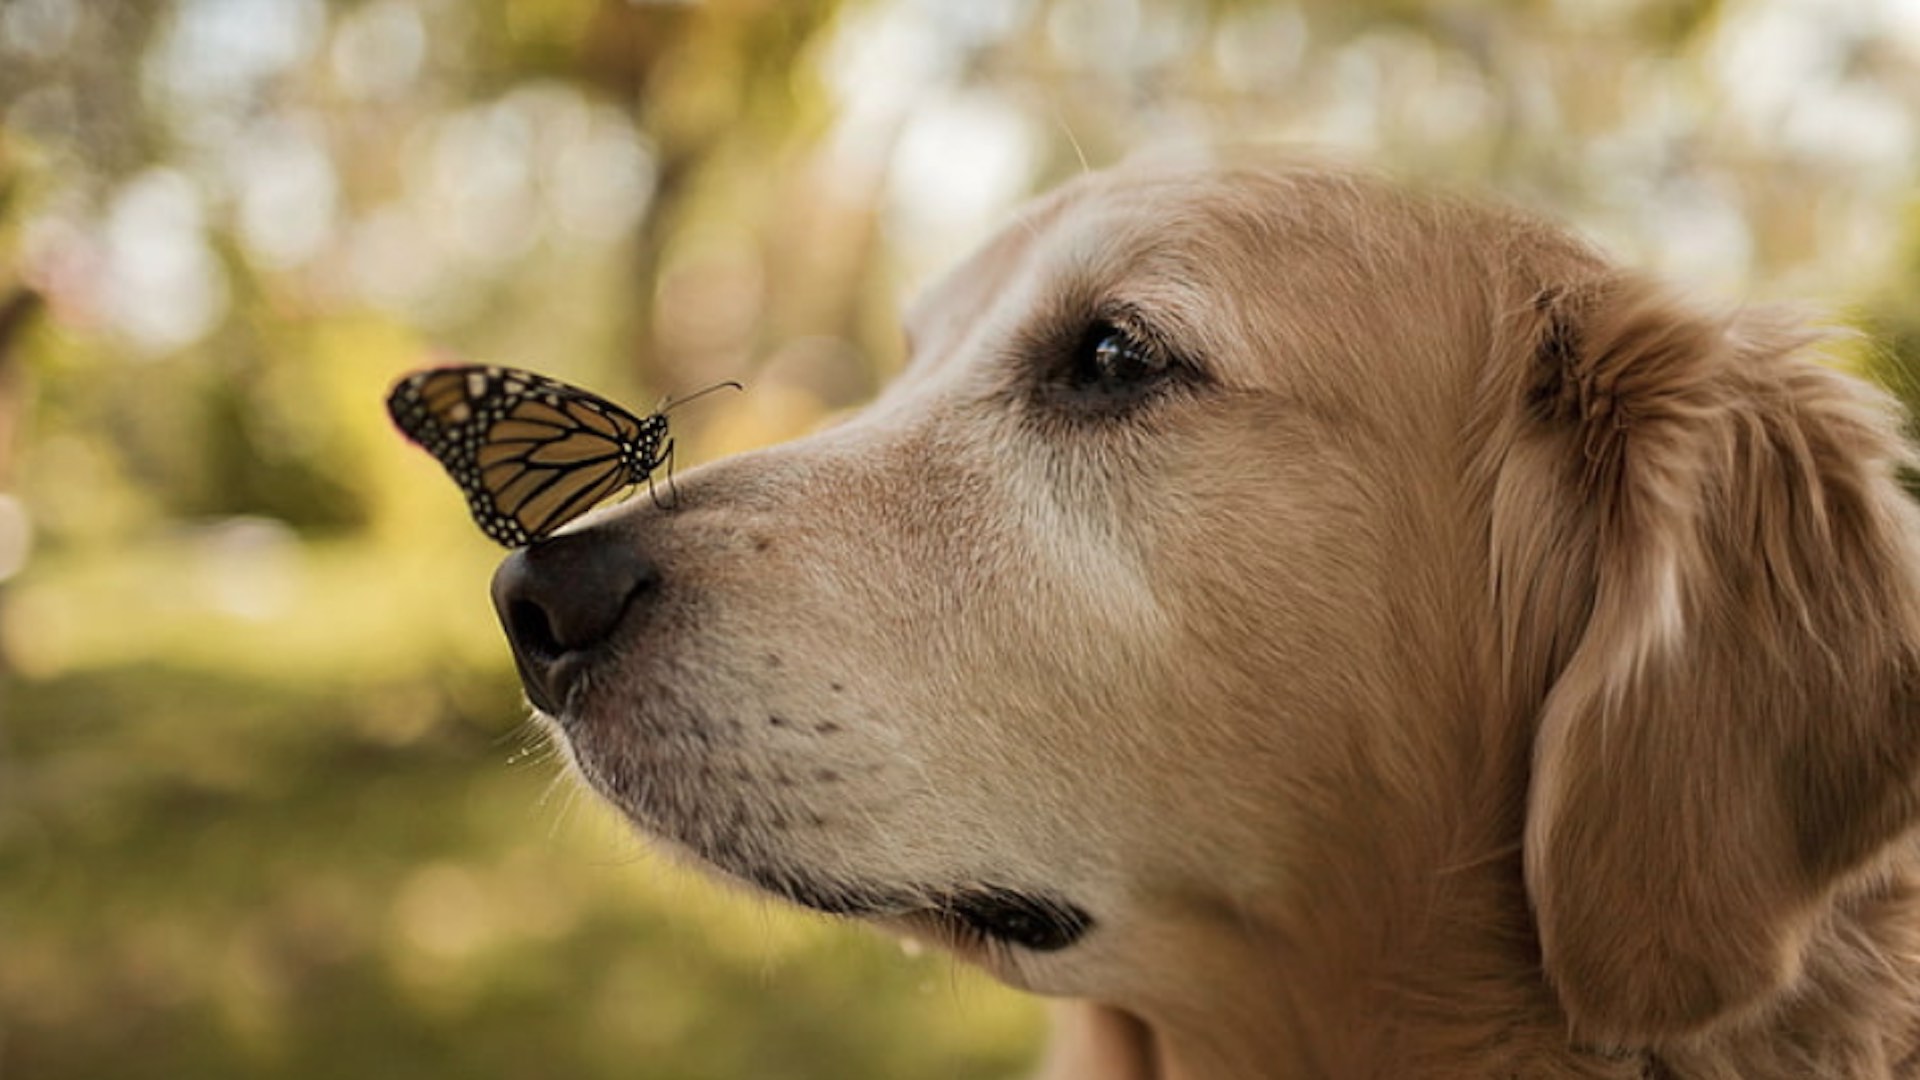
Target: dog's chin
x,y
962,917
959,916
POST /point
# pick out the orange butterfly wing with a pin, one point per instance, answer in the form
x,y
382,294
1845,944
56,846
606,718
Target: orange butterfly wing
x,y
529,452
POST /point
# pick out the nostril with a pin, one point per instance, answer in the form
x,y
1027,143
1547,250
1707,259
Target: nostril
x,y
568,595
531,631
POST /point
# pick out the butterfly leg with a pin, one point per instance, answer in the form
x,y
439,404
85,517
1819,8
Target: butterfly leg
x,y
673,493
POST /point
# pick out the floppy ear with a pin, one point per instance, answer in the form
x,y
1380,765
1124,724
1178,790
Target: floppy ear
x,y
1707,572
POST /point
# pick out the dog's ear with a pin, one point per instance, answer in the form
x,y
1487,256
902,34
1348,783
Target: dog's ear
x,y
1707,573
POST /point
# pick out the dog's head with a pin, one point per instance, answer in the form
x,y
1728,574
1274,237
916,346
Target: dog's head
x,y
1241,548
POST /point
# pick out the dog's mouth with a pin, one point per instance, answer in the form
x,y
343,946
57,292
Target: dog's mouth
x,y
1028,919
960,915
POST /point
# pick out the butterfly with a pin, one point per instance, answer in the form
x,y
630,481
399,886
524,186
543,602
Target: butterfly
x,y
530,453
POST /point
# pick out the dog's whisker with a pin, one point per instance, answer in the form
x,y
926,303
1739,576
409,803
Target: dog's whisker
x,y
535,747
1079,153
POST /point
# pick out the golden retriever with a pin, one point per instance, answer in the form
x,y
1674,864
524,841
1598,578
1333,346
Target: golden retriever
x,y
1316,628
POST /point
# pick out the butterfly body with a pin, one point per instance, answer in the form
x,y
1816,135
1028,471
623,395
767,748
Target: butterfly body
x,y
529,452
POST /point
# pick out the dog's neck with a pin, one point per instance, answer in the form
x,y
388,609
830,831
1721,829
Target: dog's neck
x,y
1384,959
1363,988
1392,960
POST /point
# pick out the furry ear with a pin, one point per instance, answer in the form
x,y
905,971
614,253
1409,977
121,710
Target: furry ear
x,y
1707,574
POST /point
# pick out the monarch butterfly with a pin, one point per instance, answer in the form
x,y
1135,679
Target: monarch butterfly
x,y
531,453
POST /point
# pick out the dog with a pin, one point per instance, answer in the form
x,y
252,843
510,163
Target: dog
x,y
1314,628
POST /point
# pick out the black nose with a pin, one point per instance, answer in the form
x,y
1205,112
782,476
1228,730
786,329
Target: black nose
x,y
560,598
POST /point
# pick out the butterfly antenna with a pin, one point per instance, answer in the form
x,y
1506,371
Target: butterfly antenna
x,y
669,403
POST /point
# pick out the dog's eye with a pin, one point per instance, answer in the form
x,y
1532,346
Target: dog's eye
x,y
1112,368
1112,360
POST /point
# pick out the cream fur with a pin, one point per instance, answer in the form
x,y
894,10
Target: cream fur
x,y
1492,667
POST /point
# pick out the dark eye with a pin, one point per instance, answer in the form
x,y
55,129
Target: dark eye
x,y
1113,362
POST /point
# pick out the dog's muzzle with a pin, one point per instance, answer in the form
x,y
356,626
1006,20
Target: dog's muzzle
x,y
561,600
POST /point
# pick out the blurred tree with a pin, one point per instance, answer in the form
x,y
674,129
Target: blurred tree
x,y
17,306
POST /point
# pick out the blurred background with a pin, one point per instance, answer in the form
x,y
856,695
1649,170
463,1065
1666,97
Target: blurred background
x,y
268,802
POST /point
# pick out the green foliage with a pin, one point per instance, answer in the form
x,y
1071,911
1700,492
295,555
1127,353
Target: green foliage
x,y
212,875
300,841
